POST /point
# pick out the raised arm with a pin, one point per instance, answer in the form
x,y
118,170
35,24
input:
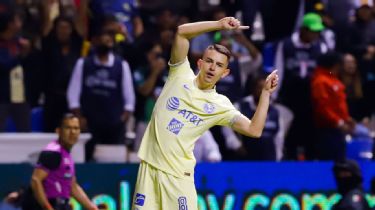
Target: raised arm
x,y
187,31
254,128
45,8
80,22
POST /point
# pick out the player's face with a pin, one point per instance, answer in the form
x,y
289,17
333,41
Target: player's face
x,y
212,67
69,132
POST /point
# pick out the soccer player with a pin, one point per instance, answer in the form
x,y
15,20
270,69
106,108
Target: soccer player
x,y
53,181
187,107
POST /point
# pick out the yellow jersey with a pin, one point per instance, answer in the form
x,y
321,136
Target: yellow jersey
x,y
182,113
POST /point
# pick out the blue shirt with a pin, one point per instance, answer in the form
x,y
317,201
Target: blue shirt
x,y
124,10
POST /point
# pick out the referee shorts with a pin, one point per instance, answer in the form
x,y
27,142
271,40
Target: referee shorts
x,y
157,190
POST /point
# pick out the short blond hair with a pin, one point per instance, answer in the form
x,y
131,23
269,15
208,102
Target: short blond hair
x,y
221,49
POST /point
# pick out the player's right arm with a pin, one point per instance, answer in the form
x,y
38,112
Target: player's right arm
x,y
187,31
80,196
37,186
48,160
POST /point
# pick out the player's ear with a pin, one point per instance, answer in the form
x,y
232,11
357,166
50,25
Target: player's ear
x,y
226,73
199,63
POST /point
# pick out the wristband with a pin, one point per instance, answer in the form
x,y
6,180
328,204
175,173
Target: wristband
x,y
48,206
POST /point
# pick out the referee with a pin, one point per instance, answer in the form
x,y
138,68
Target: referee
x,y
53,181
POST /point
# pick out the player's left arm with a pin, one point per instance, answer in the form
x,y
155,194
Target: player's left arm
x,y
254,127
81,197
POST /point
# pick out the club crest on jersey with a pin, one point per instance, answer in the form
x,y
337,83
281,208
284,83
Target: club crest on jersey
x,y
139,199
175,126
209,108
173,103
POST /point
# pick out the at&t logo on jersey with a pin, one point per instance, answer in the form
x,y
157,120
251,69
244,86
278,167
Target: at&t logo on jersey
x,y
139,199
175,126
182,203
173,103
190,116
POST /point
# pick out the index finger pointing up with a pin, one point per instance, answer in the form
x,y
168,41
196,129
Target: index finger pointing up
x,y
243,27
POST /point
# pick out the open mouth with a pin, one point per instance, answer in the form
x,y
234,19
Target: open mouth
x,y
210,75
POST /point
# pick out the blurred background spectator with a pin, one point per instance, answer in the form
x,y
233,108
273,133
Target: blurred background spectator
x,y
361,43
123,46
349,182
295,59
101,93
61,47
125,11
13,48
350,76
13,200
331,112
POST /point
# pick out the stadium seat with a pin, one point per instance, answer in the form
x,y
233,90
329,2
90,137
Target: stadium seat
x,y
360,148
10,127
105,153
37,119
268,53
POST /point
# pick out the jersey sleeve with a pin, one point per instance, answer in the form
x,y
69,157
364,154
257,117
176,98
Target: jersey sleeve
x,y
180,69
230,115
49,160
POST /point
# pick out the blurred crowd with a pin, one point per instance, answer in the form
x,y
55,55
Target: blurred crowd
x,y
107,62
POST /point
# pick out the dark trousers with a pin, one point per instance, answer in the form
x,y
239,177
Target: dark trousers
x,y
54,109
300,139
331,144
20,114
262,149
104,134
30,203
